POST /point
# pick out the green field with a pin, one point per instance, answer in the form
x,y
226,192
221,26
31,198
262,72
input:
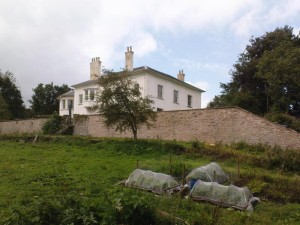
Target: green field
x,y
67,180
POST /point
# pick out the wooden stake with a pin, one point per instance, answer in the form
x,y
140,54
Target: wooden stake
x,y
137,164
183,174
170,164
238,168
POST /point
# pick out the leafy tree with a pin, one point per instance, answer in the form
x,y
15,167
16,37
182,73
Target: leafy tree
x,y
11,95
121,104
44,100
280,69
4,112
249,88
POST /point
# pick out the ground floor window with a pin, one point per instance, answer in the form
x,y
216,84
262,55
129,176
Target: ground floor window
x,y
63,104
80,99
189,101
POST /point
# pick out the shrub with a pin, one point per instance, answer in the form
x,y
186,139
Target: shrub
x,y
53,124
285,120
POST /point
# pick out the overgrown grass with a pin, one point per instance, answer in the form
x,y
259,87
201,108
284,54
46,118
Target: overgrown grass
x,y
65,180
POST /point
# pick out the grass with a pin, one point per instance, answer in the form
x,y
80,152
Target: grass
x,y
73,180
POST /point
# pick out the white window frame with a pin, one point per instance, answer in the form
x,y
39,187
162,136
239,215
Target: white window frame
x,y
86,95
80,99
92,94
160,91
63,104
70,102
175,96
189,101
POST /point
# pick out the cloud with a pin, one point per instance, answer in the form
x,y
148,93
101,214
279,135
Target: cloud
x,y
203,85
45,41
218,68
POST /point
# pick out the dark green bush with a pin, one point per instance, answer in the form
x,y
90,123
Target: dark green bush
x,y
53,124
285,120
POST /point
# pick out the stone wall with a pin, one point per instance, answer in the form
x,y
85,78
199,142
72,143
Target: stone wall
x,y
22,126
226,125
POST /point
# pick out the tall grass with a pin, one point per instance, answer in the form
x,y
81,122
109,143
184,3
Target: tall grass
x,y
65,180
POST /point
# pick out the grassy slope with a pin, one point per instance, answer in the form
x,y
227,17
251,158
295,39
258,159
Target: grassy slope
x,y
32,172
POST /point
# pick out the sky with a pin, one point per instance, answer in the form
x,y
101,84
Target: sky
x,y
44,41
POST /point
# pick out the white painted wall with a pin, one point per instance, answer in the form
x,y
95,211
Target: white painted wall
x,y
82,109
64,111
149,84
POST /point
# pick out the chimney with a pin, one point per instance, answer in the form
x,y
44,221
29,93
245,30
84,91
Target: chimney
x,y
181,75
129,59
95,68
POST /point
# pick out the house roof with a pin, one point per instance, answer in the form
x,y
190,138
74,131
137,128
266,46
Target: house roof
x,y
157,73
143,69
67,94
85,83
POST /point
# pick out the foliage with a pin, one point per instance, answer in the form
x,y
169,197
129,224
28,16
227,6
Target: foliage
x,y
285,120
266,75
4,111
44,100
53,124
11,95
280,69
122,105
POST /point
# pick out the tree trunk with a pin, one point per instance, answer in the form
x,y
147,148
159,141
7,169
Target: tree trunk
x,y
134,135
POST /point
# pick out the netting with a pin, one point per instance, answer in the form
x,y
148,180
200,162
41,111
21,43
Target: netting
x,y
231,196
209,173
147,180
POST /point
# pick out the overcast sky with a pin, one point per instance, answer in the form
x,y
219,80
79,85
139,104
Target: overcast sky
x,y
44,41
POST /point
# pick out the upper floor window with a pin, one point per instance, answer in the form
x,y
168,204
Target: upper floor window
x,y
86,94
92,95
80,98
175,96
63,104
159,91
189,101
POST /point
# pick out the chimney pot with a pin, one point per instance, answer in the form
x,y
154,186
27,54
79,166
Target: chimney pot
x,y
129,59
95,68
181,75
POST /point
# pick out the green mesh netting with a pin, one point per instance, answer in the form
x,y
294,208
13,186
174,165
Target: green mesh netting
x,y
232,196
209,173
147,180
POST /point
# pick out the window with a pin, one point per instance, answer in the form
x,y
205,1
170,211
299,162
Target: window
x,y
189,101
92,95
86,94
159,91
159,109
70,104
80,99
175,96
63,104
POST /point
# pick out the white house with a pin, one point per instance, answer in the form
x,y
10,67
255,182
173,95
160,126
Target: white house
x,y
167,92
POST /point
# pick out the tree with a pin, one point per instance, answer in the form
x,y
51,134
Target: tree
x,y
280,69
4,112
249,87
44,100
11,95
121,104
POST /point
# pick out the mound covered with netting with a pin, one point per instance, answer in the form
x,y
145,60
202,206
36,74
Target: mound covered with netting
x,y
209,173
158,183
230,196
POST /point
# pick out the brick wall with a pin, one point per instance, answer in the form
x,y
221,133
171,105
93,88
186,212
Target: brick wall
x,y
225,125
